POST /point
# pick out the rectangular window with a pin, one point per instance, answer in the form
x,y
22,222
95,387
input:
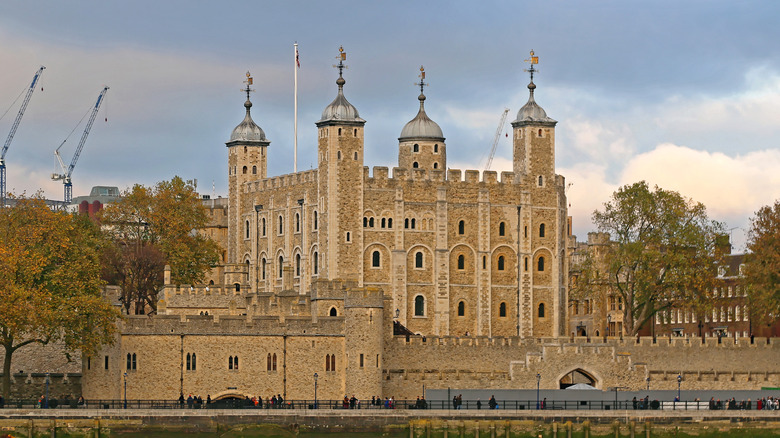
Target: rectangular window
x,y
105,363
361,360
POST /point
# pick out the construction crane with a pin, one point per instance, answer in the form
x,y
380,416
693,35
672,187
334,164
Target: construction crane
x,y
495,139
67,172
13,131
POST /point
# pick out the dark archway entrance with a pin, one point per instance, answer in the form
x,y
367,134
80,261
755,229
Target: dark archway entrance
x,y
577,376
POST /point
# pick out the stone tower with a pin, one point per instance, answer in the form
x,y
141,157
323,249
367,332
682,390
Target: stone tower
x,y
543,216
247,160
421,144
340,185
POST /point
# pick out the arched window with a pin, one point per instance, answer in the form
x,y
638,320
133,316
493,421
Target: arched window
x,y
502,310
502,229
268,362
540,264
297,222
541,181
230,362
281,264
461,227
281,224
461,261
244,170
315,263
540,133
541,230
263,227
189,362
340,133
461,308
348,237
375,259
246,230
327,362
238,287
500,263
355,156
435,165
338,154
389,222
334,312
371,222
194,362
263,267
297,265
129,364
418,259
413,223
415,165
254,170
419,305
333,362
355,132
416,148
315,219
436,148
384,223
273,362
541,310
247,270
365,222
406,223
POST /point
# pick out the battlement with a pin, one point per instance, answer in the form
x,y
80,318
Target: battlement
x,y
231,325
380,175
282,181
349,292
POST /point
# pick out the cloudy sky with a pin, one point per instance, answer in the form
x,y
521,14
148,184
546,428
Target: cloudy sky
x,y
685,95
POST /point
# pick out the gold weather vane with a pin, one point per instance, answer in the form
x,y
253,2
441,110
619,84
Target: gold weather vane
x,y
341,57
422,82
533,60
248,82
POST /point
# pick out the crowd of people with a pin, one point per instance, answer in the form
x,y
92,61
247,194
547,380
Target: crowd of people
x,y
762,404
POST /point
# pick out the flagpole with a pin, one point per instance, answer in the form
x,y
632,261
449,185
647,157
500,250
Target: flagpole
x,y
295,147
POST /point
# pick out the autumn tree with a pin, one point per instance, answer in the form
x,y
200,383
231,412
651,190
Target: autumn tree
x,y
762,270
662,253
50,285
153,227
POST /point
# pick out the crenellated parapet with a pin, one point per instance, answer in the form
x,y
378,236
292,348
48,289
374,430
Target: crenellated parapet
x,y
282,181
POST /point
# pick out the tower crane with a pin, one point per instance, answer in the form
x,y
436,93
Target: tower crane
x,y
66,172
13,131
495,139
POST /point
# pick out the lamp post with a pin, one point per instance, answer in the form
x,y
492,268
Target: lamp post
x,y
538,379
679,381
46,400
125,379
315,389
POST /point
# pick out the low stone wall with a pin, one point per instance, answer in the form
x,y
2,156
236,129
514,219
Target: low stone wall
x,y
110,423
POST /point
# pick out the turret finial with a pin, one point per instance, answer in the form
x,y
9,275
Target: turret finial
x,y
341,66
249,81
533,60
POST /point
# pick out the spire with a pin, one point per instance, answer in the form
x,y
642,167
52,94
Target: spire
x,y
247,132
531,112
421,126
340,109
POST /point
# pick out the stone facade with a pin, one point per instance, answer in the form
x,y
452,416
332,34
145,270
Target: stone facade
x,y
322,266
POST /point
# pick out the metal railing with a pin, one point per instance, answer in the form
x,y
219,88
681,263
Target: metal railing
x,y
513,405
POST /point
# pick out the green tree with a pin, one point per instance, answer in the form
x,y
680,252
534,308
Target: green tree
x,y
152,227
50,286
662,254
762,270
